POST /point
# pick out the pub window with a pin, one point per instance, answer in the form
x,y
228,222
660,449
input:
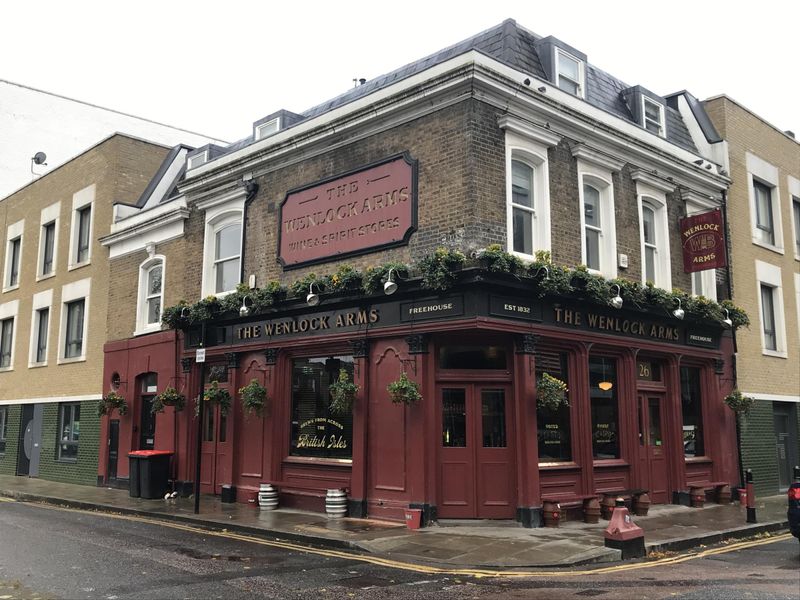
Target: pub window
x,y
605,409
316,431
69,432
472,357
555,441
692,409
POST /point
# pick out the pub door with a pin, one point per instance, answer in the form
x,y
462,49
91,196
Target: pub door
x,y
476,466
653,454
215,467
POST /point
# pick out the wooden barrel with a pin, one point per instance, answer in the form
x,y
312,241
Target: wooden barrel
x,y
267,497
607,506
724,495
641,504
336,503
697,496
591,510
552,513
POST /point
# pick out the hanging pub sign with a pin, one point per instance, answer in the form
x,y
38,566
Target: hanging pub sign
x,y
703,241
372,208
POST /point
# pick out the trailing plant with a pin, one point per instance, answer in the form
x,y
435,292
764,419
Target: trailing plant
x,y
551,393
737,314
267,297
299,288
738,402
169,397
345,278
204,310
498,260
374,277
111,402
254,398
175,317
404,391
550,279
594,287
438,269
216,395
343,392
543,256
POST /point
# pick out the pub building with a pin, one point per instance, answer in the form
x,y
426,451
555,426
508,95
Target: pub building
x,y
462,150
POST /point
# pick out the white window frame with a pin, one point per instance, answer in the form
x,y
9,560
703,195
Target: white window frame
x,y
762,171
597,171
142,326
794,196
267,129
70,292
14,232
220,211
662,125
650,190
529,144
797,303
10,310
196,160
50,214
40,301
770,275
581,83
708,277
81,200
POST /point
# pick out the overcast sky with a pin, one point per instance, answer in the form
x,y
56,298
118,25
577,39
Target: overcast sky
x,y
215,67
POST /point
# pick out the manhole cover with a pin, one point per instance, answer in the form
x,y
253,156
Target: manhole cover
x,y
364,582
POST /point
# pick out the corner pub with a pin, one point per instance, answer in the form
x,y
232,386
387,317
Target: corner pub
x,y
645,386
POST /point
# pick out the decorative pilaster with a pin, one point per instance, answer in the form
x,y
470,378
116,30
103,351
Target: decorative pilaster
x,y
232,359
526,343
417,343
360,348
271,355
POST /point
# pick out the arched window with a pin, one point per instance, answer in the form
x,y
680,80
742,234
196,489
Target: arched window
x,y
649,237
523,212
151,295
227,252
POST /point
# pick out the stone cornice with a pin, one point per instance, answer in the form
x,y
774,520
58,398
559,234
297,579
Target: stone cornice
x,y
590,155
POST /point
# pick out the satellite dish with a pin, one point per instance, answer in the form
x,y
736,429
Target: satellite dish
x,y
39,158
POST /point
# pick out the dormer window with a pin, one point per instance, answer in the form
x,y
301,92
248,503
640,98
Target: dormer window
x,y
197,160
268,128
653,114
569,73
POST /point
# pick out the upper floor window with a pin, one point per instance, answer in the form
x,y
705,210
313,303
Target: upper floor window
x,y
765,211
151,294
653,113
197,160
48,248
48,241
770,300
80,246
653,228
42,327
84,216
570,73
650,245
796,221
599,231
764,221
6,342
266,129
523,213
227,249
73,344
14,248
592,226
768,317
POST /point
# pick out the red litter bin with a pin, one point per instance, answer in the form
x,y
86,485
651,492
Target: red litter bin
x,y
149,473
413,518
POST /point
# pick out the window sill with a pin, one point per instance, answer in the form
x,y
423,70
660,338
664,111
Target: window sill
x,y
79,265
698,460
148,329
610,462
44,277
310,460
10,288
771,247
66,361
6,369
37,365
559,466
774,353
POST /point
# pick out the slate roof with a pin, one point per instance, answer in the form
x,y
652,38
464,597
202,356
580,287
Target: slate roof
x,y
513,45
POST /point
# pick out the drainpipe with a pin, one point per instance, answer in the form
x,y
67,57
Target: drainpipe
x,y
251,187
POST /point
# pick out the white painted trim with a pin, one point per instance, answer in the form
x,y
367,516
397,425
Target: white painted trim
x,y
662,125
13,232
656,198
772,397
274,126
559,52
794,192
52,399
41,300
771,275
766,173
49,214
217,217
80,200
10,310
601,179
70,293
597,157
797,303
142,327
197,160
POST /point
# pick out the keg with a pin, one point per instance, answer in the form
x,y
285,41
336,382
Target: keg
x,y
336,503
267,497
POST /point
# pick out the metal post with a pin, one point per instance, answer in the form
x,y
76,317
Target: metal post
x,y
200,418
797,474
751,497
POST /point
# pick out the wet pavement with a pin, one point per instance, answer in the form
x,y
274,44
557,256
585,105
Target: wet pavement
x,y
500,544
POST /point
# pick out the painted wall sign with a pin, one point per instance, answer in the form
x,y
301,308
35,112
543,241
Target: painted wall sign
x,y
706,340
372,208
432,309
607,324
330,322
514,308
703,241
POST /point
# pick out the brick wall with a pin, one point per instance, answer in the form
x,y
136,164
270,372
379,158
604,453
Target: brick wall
x,y
8,460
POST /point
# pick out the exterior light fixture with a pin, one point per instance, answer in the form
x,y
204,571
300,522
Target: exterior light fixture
x,y
605,385
185,312
312,299
616,301
678,313
727,319
546,271
244,310
390,287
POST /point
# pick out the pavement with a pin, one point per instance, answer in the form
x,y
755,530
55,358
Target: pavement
x,y
450,543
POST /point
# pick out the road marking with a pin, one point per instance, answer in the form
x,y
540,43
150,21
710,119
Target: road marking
x,y
405,566
7,499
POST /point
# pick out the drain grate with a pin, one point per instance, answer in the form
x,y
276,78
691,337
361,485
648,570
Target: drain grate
x,y
591,593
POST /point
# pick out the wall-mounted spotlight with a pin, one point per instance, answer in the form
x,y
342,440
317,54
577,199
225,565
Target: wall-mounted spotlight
x,y
390,287
312,299
678,313
616,301
546,271
185,312
727,319
244,310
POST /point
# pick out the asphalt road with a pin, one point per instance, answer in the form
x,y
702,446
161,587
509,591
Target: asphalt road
x,y
46,552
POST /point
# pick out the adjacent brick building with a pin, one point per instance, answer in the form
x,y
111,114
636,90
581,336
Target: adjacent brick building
x,y
505,138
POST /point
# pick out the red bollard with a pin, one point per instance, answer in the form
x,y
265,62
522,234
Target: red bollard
x,y
623,534
751,497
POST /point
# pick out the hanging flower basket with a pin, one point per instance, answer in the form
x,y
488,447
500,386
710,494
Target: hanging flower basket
x,y
343,392
169,397
110,402
254,398
551,393
218,395
738,402
404,391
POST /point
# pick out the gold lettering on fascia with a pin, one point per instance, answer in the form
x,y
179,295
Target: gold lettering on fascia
x,y
417,310
526,310
308,324
616,324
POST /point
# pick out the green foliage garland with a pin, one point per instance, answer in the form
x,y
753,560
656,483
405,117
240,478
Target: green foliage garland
x,y
438,269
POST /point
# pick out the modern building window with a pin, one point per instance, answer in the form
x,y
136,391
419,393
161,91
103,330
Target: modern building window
x,y
570,72
653,113
227,249
3,428
768,326
84,216
316,431
69,432
48,248
764,221
14,248
796,222
6,342
73,344
554,432
42,329
604,407
692,409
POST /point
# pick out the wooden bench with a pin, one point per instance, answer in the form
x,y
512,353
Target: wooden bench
x,y
697,492
639,498
587,502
